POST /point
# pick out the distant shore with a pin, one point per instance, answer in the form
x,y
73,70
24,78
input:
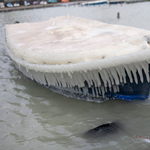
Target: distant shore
x,y
22,7
59,4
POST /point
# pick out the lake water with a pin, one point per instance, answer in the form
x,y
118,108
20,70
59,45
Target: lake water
x,y
34,118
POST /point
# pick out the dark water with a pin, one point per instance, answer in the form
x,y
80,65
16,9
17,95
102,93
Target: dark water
x,y
34,118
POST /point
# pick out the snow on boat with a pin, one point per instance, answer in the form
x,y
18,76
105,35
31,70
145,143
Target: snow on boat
x,y
82,58
97,2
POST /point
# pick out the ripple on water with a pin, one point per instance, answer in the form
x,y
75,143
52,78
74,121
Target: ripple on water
x,y
33,117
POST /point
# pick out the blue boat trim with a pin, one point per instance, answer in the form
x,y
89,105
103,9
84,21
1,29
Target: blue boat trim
x,y
98,3
131,97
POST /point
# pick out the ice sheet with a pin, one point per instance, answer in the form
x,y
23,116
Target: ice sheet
x,y
67,39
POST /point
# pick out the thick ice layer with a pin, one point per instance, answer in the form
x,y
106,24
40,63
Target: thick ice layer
x,y
80,56
65,40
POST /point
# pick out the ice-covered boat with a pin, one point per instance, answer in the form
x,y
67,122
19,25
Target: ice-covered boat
x,y
82,58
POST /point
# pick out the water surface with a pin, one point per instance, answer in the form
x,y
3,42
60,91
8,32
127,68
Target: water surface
x,y
34,118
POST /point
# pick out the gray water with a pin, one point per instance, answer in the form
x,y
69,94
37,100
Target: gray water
x,y
34,118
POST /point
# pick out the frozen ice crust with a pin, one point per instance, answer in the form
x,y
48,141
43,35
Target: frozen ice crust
x,y
71,40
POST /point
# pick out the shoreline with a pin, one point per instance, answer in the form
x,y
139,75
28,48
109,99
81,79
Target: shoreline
x,y
58,4
22,7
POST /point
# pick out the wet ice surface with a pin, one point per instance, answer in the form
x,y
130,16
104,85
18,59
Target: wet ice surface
x,y
33,117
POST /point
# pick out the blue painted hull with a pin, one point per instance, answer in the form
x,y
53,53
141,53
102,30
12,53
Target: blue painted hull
x,y
116,2
99,3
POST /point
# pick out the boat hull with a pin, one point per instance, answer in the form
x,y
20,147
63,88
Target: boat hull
x,y
116,2
98,3
128,92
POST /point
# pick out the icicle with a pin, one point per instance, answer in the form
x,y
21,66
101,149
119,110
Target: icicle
x,y
39,78
117,86
61,75
96,77
114,88
139,68
75,79
26,69
62,80
99,89
129,73
68,81
16,65
35,76
47,79
103,78
86,78
89,78
58,82
53,80
145,67
133,69
78,80
119,74
97,95
65,79
93,92
122,71
69,74
103,91
42,78
71,82
110,76
93,79
30,75
84,91
115,75
107,76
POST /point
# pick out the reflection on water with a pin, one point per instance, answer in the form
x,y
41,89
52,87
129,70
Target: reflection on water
x,y
33,117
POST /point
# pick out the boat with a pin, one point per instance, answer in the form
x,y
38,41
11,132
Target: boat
x,y
64,1
97,2
52,1
2,5
81,58
134,1
16,4
43,3
9,5
116,1
26,3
